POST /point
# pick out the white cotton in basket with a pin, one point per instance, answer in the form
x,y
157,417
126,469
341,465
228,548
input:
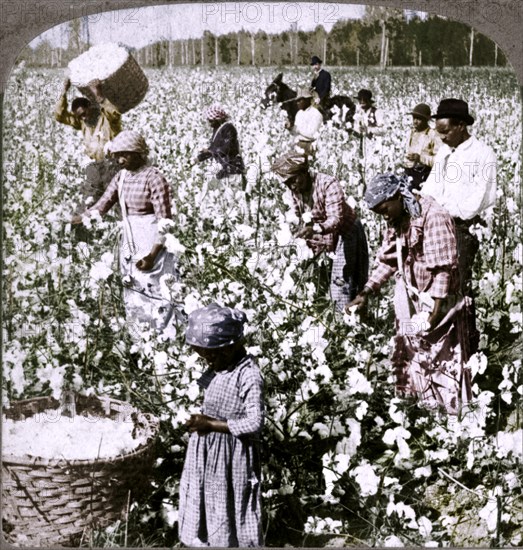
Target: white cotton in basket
x,y
98,62
51,435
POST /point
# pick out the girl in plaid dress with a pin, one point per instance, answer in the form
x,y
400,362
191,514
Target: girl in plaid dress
x,y
220,495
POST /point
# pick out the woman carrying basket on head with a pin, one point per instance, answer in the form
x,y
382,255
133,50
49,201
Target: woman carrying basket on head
x,y
145,198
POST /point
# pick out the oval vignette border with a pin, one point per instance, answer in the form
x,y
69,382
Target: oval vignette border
x,y
23,20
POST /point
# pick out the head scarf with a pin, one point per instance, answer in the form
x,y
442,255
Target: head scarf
x,y
216,112
128,140
214,326
290,164
384,187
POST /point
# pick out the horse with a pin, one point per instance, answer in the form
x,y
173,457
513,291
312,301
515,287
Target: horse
x,y
279,92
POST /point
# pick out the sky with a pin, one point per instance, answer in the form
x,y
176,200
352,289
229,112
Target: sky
x,y
140,26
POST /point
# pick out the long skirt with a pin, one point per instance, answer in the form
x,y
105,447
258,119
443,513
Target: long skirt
x,y
98,174
220,498
429,364
350,268
143,299
468,246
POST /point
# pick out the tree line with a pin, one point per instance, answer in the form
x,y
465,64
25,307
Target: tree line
x,y
383,37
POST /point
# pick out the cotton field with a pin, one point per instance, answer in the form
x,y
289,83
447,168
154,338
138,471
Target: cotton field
x,y
345,462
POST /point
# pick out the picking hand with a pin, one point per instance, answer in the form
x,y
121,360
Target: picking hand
x,y
359,302
305,232
146,263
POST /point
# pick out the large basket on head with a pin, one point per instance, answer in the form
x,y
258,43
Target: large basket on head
x,y
50,502
124,83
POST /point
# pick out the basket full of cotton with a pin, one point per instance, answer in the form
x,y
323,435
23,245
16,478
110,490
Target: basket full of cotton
x,y
69,469
124,82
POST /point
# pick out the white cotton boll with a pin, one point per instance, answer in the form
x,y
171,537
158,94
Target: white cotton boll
x,y
245,231
173,245
477,364
169,513
366,478
423,471
191,303
361,410
349,445
193,391
489,513
165,225
306,217
284,236
357,383
98,62
100,271
341,463
287,284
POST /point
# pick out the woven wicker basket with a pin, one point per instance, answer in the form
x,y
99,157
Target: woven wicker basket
x,y
125,88
50,502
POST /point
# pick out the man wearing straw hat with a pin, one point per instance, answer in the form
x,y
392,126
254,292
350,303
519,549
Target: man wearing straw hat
x,y
99,123
307,122
422,145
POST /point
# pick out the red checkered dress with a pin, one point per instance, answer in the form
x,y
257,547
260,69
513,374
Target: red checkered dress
x,y
329,209
146,191
429,253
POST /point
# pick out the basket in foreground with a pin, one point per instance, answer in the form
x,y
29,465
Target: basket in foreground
x,y
125,88
49,502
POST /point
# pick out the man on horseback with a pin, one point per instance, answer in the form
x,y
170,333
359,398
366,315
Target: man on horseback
x,y
321,83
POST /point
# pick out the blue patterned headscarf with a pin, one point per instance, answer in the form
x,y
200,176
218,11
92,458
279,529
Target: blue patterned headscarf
x,y
384,187
214,326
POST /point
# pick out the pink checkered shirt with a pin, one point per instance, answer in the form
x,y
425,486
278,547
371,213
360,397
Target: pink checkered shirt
x,y
329,209
146,191
429,253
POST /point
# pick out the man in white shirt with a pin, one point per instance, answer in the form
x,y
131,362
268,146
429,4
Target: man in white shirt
x,y
463,181
307,122
463,178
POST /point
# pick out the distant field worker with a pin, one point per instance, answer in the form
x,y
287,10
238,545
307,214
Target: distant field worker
x,y
422,145
307,123
419,251
99,123
224,147
145,198
369,121
220,487
334,226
